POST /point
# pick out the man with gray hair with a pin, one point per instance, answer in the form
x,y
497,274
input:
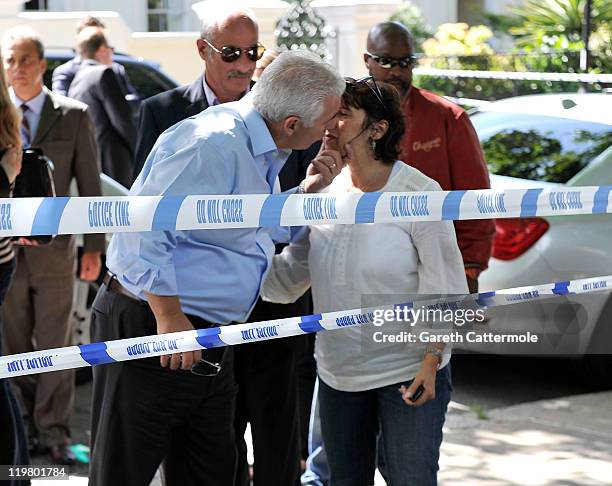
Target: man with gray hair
x,y
229,47
181,413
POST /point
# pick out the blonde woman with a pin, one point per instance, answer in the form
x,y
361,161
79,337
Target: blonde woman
x,y
13,446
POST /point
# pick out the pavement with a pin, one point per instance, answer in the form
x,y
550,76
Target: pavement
x,y
563,441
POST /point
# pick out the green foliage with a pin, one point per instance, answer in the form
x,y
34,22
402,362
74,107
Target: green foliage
x,y
480,411
458,46
411,16
302,28
495,89
556,23
552,29
535,156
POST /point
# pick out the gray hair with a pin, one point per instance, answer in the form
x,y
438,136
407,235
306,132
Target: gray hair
x,y
296,84
21,33
215,12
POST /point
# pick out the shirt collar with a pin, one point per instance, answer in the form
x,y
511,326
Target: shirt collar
x,y
211,97
261,138
35,104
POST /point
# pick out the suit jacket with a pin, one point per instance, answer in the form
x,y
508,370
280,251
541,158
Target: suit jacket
x,y
65,73
160,112
96,85
66,135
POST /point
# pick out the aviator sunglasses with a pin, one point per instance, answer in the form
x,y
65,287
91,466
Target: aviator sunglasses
x,y
232,53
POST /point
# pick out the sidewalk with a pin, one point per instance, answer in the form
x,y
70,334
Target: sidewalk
x,y
563,441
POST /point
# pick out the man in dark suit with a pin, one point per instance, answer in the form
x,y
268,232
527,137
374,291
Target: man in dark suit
x,y
223,81
265,372
65,73
96,85
38,304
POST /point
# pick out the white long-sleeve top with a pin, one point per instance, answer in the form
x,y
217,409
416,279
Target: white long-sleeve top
x,y
364,265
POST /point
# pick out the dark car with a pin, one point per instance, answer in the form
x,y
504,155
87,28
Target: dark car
x,y
146,76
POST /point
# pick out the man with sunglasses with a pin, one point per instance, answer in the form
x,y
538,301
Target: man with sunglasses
x,y
440,140
229,47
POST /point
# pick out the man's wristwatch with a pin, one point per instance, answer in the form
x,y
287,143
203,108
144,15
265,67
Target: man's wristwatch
x,y
438,353
301,189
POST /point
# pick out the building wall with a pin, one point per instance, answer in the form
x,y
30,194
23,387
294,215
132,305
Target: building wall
x,y
176,51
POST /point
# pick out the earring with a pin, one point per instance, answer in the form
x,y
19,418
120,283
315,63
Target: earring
x,y
373,145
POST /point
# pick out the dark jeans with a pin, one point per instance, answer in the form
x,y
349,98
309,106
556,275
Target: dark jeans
x,y
144,415
410,437
13,443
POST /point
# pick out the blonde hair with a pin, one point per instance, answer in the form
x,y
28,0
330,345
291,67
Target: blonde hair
x,y
9,117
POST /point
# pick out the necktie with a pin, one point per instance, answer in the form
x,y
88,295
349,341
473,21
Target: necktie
x,y
25,126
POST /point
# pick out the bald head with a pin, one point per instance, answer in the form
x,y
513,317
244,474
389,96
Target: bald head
x,y
390,41
390,33
219,17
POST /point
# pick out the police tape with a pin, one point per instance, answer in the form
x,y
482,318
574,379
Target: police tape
x,y
149,346
77,215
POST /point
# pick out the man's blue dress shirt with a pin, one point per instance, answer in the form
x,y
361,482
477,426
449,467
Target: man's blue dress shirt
x,y
216,274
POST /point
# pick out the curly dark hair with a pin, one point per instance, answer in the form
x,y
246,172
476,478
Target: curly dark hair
x,y
380,101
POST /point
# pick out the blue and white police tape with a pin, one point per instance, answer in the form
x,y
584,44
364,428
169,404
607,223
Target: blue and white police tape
x,y
76,215
149,346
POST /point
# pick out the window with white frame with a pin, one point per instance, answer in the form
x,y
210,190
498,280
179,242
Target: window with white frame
x,y
158,12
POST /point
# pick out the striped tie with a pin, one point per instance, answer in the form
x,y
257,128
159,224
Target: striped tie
x,y
25,126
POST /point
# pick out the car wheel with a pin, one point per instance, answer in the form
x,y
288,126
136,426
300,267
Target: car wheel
x,y
597,363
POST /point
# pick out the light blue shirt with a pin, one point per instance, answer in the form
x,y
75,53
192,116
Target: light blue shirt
x,y
217,274
32,114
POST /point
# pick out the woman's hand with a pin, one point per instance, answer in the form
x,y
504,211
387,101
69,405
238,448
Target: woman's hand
x,y
11,163
426,377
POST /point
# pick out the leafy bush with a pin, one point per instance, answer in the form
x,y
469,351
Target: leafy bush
x,y
411,16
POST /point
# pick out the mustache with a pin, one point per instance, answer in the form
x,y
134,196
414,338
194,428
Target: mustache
x,y
240,74
400,81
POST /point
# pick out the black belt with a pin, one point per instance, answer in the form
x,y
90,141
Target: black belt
x,y
206,367
110,280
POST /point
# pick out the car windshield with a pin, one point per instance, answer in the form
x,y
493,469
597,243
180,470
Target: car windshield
x,y
541,148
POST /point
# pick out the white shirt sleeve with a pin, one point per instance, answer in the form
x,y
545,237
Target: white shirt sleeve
x,y
289,276
440,265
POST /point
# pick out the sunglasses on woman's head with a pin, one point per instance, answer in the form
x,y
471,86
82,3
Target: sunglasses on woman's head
x,y
232,53
390,62
350,82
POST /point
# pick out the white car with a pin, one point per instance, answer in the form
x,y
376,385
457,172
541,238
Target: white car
x,y
537,141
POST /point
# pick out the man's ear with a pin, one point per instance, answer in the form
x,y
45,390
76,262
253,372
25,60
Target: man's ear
x,y
290,124
365,60
201,45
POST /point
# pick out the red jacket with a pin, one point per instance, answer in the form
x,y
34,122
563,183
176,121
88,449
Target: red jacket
x,y
441,142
